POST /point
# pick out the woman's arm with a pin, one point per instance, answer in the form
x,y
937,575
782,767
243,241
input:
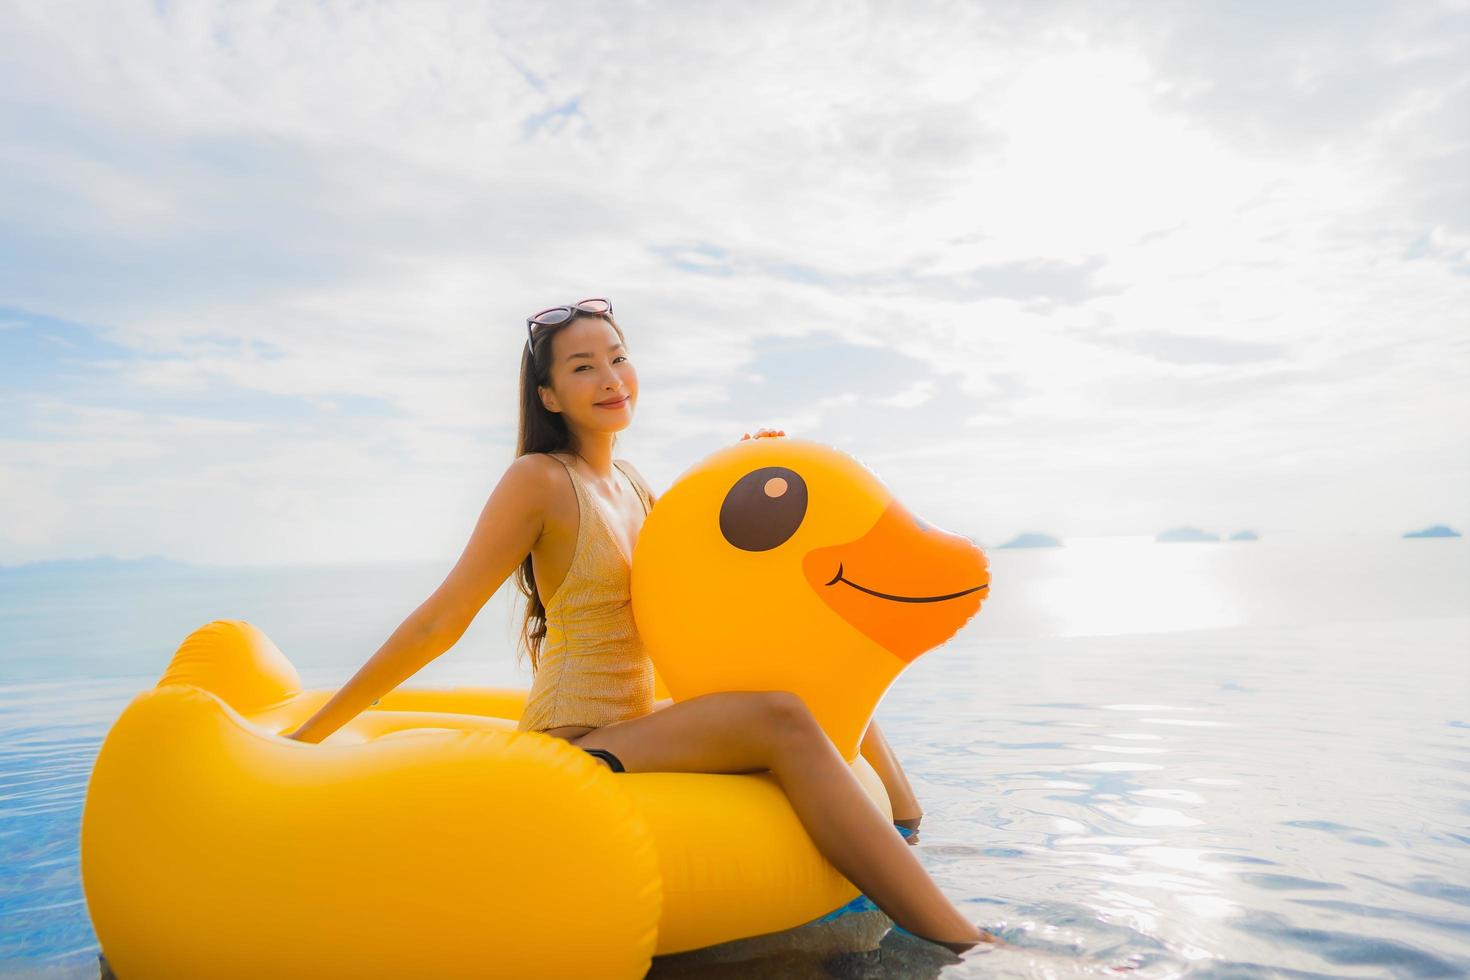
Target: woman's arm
x,y
508,527
413,644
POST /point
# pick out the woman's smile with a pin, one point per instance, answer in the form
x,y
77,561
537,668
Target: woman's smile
x,y
617,404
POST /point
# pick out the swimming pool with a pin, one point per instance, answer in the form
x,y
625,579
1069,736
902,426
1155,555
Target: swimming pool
x,y
1264,798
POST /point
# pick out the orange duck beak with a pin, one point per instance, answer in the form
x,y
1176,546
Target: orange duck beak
x,y
907,585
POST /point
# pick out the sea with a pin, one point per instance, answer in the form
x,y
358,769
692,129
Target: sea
x,y
1194,759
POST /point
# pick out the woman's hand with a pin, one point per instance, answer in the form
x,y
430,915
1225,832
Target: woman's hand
x,y
764,432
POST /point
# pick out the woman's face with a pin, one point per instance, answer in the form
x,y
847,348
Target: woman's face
x,y
590,366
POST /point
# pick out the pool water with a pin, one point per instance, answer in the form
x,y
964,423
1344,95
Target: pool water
x,y
1285,792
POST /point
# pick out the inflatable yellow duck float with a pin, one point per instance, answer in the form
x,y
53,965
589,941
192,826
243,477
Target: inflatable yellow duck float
x,y
429,838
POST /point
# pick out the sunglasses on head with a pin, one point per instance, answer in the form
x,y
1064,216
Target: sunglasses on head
x,y
553,315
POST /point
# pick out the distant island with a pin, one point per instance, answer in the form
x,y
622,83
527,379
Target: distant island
x,y
1177,534
1033,539
1246,535
1437,531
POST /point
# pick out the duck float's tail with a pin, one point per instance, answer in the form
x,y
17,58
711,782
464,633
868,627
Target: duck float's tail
x,y
236,662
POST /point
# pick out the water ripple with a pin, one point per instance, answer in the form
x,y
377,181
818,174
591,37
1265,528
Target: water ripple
x,y
1222,804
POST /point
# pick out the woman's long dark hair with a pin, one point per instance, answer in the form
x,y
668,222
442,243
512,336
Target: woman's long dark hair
x,y
541,431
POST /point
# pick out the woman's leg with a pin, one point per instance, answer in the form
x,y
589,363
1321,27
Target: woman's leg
x,y
752,731
906,809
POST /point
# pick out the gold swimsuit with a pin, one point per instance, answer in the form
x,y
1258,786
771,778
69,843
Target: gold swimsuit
x,y
592,668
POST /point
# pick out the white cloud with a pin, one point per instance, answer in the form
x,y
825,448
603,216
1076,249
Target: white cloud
x,y
1199,261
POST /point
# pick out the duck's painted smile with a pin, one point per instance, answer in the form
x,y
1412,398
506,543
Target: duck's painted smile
x,y
902,598
901,552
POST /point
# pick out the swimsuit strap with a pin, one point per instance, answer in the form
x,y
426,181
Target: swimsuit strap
x,y
638,487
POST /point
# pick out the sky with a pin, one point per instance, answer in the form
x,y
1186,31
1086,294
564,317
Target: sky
x,y
1084,269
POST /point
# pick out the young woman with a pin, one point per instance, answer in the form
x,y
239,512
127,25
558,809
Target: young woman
x,y
578,390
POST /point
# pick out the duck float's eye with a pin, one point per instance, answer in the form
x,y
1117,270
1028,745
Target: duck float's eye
x,y
763,509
